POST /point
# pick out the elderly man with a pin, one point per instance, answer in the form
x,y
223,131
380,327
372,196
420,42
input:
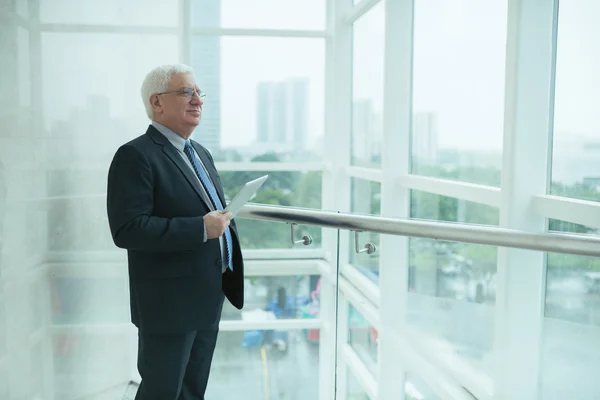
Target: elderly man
x,y
165,206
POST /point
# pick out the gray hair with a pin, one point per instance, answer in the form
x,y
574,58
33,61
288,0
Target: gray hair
x,y
157,81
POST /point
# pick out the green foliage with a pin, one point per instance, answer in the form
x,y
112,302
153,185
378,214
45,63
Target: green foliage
x,y
478,175
435,207
283,188
580,190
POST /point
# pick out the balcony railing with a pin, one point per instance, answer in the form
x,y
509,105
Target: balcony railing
x,y
421,317
423,336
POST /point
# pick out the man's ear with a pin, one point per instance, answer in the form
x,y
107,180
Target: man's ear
x,y
155,103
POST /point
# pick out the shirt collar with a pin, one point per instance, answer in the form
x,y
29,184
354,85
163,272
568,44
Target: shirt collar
x,y
177,141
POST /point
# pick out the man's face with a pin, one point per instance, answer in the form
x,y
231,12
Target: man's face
x,y
174,109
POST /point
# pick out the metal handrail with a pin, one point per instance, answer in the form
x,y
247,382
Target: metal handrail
x,y
456,232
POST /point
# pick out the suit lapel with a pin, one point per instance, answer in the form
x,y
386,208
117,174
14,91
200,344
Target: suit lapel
x,y
189,175
175,157
172,153
212,172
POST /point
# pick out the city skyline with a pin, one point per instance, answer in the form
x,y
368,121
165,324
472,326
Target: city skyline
x,y
574,157
467,93
282,113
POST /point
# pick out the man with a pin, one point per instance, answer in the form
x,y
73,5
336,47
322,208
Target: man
x,y
165,203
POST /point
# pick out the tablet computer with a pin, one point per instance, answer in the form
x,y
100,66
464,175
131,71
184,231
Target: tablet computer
x,y
245,194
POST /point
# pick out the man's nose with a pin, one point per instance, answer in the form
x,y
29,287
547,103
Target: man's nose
x,y
196,99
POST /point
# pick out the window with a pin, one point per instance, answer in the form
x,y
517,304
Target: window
x,y
100,108
259,14
571,331
458,89
354,390
112,12
576,143
362,337
99,98
284,188
258,364
367,88
265,97
452,286
416,389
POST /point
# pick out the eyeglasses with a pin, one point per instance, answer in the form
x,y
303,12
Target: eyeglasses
x,y
187,93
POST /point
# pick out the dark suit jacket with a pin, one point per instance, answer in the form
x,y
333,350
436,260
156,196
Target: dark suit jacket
x,y
155,211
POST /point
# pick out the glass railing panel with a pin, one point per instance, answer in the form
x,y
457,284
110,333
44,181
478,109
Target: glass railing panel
x,y
416,389
294,296
362,337
266,364
354,390
451,298
571,330
276,360
451,285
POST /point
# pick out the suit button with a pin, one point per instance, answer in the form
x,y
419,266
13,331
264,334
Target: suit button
x,y
219,263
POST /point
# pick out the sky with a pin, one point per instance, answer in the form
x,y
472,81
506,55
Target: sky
x,y
458,62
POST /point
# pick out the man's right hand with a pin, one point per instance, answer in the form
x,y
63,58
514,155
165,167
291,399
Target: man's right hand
x,y
216,222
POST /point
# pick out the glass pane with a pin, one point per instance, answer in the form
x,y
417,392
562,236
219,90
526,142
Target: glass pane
x,y
571,332
354,390
23,10
78,298
285,188
458,95
259,14
65,329
284,297
99,98
24,71
570,360
367,88
270,111
90,359
362,337
425,205
452,286
573,288
112,12
416,389
576,147
263,364
366,200
24,315
573,282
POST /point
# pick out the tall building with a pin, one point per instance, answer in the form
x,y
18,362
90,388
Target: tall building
x,y
424,137
206,61
282,114
367,132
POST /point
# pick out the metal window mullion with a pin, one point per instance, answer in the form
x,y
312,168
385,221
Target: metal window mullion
x,y
530,63
184,35
335,183
395,199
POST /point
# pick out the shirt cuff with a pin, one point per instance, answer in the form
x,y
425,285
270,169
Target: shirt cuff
x,y
205,234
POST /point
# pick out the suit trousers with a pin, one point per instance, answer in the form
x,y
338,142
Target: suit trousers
x,y
175,366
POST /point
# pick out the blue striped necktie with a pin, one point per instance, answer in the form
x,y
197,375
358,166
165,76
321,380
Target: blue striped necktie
x,y
212,193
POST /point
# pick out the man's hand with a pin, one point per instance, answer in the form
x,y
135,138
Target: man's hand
x,y
216,222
